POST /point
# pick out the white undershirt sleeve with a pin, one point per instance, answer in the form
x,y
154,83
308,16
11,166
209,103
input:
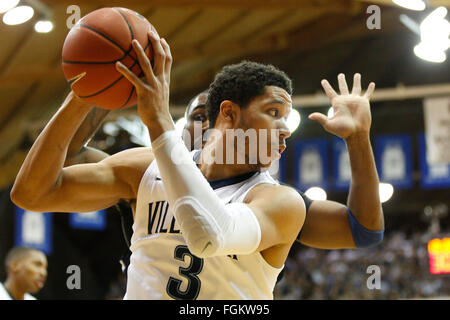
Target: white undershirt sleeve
x,y
209,227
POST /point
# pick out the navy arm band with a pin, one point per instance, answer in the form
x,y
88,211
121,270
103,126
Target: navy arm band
x,y
364,238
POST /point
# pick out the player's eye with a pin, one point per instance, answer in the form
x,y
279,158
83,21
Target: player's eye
x,y
274,112
200,117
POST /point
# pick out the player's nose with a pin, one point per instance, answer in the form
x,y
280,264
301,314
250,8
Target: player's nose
x,y
284,130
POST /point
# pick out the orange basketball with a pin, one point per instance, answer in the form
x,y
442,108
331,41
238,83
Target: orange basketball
x,y
92,48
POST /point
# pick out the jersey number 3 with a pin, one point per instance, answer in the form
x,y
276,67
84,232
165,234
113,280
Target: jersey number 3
x,y
190,273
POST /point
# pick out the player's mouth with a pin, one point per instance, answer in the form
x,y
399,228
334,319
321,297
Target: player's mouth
x,y
278,150
39,283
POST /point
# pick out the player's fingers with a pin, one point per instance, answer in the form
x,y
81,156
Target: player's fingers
x,y
356,84
159,55
329,91
127,73
168,62
319,117
342,84
143,60
370,90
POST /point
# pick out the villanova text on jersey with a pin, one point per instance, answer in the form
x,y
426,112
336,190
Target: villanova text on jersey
x,y
157,213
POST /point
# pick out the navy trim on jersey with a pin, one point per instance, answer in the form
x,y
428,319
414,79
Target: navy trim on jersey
x,y
215,184
196,156
307,200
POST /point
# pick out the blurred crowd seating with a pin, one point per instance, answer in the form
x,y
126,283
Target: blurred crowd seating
x,y
315,274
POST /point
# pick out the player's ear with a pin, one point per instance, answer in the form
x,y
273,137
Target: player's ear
x,y
229,111
14,265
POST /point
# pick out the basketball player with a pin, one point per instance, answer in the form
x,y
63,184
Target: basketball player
x,y
244,227
78,151
26,270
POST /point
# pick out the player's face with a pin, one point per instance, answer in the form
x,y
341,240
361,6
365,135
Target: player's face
x,y
268,113
197,113
33,271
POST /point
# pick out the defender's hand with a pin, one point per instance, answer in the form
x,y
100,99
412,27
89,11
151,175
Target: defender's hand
x,y
153,88
351,110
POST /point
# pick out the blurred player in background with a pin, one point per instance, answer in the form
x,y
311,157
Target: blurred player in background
x,y
196,116
26,270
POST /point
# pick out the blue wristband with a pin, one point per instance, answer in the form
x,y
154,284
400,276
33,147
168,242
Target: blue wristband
x,y
364,238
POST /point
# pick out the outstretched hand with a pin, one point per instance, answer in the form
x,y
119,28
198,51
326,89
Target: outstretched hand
x,y
153,87
351,110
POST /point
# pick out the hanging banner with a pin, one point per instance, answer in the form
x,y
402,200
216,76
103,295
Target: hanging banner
x,y
95,220
432,175
437,129
311,163
33,229
342,173
393,154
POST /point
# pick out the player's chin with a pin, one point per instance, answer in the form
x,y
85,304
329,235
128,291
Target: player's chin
x,y
36,286
33,288
265,165
266,161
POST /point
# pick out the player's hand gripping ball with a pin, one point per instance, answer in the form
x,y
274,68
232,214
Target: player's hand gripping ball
x,y
92,48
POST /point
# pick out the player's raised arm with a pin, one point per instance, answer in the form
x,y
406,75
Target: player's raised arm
x,y
77,151
361,224
42,183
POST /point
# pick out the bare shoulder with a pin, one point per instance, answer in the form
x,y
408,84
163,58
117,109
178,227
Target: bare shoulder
x,y
281,204
280,194
136,156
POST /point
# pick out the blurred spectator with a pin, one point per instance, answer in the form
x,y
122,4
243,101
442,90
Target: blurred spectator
x,y
26,270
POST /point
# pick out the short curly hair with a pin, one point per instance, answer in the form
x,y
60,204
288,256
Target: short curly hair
x,y
241,83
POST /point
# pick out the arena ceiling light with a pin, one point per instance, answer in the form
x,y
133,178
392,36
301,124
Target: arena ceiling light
x,y
417,5
6,5
426,53
386,191
18,15
316,193
43,26
293,120
434,35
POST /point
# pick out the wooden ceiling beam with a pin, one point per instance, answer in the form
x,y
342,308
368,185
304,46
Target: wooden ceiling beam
x,y
42,73
183,24
311,33
432,3
201,4
307,38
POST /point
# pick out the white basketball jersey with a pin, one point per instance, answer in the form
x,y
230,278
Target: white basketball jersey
x,y
4,294
161,265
